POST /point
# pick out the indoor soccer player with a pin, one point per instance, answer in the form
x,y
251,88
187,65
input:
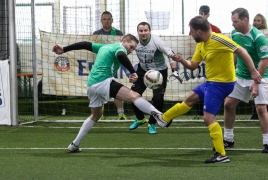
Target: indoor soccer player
x,y
217,51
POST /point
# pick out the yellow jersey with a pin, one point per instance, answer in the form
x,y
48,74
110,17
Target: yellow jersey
x,y
218,54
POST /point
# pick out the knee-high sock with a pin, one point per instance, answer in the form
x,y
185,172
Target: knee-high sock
x,y
216,135
87,125
145,106
228,134
175,111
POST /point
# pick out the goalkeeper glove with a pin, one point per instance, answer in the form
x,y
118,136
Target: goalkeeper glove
x,y
175,75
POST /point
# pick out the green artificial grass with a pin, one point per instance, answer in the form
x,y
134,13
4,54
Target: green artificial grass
x,y
111,151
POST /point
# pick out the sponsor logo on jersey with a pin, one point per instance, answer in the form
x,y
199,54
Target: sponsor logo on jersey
x,y
263,48
144,51
62,64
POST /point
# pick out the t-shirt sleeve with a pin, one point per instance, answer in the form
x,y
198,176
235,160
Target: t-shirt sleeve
x,y
197,56
96,47
261,47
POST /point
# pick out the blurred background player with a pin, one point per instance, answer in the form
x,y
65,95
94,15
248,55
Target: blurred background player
x,y
150,51
259,22
107,29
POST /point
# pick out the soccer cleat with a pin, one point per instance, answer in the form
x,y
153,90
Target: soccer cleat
x,y
265,148
217,157
254,117
227,144
122,117
73,148
151,129
169,123
160,121
137,123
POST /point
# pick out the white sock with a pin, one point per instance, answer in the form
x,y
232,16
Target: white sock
x,y
145,106
87,125
120,111
229,134
264,138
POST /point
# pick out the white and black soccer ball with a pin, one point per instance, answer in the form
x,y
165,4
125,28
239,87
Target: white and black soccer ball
x,y
153,79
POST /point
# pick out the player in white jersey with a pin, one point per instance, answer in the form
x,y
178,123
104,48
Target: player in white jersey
x,y
150,51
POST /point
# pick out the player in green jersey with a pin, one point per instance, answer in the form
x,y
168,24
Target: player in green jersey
x,y
101,85
255,43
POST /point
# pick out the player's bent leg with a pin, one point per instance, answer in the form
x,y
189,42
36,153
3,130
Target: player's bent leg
x,y
175,111
181,108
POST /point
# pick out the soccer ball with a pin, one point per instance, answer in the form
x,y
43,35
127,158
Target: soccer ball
x,y
153,79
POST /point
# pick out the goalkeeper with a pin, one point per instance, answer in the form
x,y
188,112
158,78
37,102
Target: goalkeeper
x,y
150,51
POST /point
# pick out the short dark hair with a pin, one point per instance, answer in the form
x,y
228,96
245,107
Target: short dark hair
x,y
199,23
205,9
107,12
242,13
130,37
144,24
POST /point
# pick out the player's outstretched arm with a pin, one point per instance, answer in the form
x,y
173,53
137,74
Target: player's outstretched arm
x,y
76,46
57,49
187,64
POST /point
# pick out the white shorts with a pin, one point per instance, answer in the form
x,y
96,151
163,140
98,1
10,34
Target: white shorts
x,y
241,91
99,94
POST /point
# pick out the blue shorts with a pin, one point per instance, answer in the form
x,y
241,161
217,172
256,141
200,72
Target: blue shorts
x,y
213,95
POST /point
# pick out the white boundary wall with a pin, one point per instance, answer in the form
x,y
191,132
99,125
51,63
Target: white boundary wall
x,y
4,93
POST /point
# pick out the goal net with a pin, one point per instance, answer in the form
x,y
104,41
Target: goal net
x,y
62,79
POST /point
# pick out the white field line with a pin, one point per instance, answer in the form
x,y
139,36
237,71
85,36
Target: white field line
x,y
144,127
119,121
233,149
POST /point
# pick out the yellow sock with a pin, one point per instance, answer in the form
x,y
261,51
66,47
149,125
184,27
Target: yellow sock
x,y
216,135
175,111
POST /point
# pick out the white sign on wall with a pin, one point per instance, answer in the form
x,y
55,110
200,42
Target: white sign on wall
x,y
4,93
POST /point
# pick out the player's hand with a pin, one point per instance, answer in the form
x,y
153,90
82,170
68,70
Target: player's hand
x,y
256,77
254,88
57,49
176,57
133,77
175,76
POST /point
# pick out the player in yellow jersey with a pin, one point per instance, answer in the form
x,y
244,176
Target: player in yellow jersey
x,y
217,51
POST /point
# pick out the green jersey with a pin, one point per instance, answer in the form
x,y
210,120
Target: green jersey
x,y
106,63
255,43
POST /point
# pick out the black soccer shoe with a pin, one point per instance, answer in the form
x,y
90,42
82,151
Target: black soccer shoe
x,y
218,158
265,148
